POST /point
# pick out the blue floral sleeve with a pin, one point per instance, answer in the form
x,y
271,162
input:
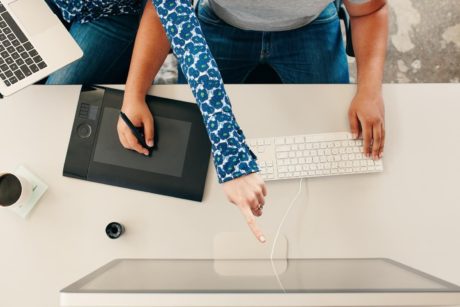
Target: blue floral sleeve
x,y
232,156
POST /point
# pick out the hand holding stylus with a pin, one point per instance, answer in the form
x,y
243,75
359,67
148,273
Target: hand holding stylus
x,y
140,116
248,194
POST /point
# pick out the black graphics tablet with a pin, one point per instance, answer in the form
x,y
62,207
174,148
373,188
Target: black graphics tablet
x,y
179,162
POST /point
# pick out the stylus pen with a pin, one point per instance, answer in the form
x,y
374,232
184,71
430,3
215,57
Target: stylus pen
x,y
136,131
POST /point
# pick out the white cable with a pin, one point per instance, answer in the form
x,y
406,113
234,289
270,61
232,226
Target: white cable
x,y
275,240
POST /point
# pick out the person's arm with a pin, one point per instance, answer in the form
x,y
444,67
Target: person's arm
x,y
369,24
150,51
235,164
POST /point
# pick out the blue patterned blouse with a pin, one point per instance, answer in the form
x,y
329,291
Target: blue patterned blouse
x,y
89,10
232,156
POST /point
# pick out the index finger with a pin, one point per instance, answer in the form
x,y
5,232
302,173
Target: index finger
x,y
134,144
377,135
251,220
367,136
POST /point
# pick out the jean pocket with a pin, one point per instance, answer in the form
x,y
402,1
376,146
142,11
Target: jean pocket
x,y
206,14
327,15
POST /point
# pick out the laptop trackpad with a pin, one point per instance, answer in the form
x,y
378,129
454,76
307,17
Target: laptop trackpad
x,y
35,16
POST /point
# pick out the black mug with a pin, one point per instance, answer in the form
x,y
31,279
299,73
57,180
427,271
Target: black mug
x,y
14,190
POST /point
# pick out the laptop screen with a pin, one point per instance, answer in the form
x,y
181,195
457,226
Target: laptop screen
x,y
258,276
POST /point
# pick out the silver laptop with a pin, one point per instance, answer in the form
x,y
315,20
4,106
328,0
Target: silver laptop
x,y
33,44
259,283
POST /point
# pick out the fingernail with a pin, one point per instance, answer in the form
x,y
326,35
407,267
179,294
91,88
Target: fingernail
x,y
146,153
150,143
381,155
262,239
355,135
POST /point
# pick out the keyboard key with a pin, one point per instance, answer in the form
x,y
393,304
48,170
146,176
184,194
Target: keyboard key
x,y
2,76
6,43
33,68
42,65
28,46
9,61
24,55
26,70
29,61
19,74
299,140
20,49
283,148
15,55
4,67
9,73
10,49
13,80
19,61
279,141
4,54
2,24
282,155
13,66
33,53
282,169
7,83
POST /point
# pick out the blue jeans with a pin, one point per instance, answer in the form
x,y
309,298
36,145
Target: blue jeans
x,y
107,44
314,53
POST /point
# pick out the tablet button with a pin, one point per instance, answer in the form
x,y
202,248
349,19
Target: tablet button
x,y
84,131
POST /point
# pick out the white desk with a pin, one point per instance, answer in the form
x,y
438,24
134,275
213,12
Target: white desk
x,y
410,213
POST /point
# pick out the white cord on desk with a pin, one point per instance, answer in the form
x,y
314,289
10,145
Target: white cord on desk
x,y
275,240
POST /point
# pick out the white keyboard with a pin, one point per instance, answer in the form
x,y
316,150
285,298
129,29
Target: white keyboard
x,y
313,155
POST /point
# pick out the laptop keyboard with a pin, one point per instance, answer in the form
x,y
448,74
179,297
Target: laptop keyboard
x,y
18,59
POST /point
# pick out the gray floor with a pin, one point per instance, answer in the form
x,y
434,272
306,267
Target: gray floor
x,y
424,44
424,41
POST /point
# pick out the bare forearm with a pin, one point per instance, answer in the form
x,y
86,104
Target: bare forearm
x,y
150,50
370,37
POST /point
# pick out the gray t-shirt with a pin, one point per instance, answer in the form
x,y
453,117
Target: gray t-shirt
x,y
269,15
